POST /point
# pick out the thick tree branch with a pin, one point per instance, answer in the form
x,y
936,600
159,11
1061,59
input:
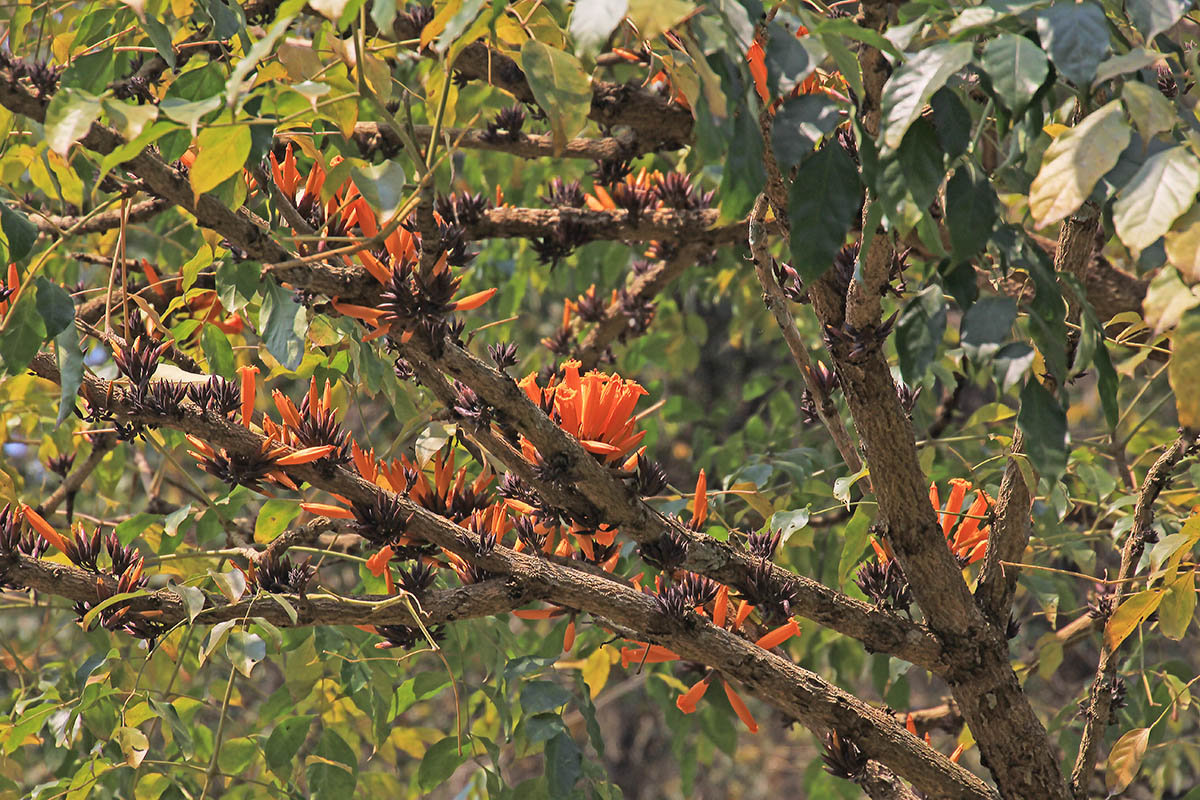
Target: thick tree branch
x,y
374,137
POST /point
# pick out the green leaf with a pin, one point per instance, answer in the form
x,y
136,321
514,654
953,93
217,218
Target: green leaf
x,y
1152,17
192,598
245,650
218,351
1125,759
189,112
282,324
986,325
160,37
787,60
539,696
654,17
1044,423
130,118
1136,59
134,745
1183,370
285,741
911,86
564,765
180,732
912,172
1131,613
19,232
1076,37
951,122
383,186
561,88
273,518
1183,245
1017,68
593,21
333,770
788,522
799,124
439,763
1150,111
1157,195
919,333
855,537
56,307
1074,162
1178,606
70,370
236,754
68,117
23,332
970,212
824,203
223,153
742,175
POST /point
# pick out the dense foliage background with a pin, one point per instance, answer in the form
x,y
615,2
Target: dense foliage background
x,y
633,179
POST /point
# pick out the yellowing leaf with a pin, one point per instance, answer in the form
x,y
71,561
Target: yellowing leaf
x,y
1075,161
1125,759
1183,245
223,152
134,745
1178,606
1183,369
596,668
1129,615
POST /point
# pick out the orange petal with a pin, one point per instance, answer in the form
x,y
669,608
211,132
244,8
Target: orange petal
x,y
649,654
779,635
378,562
536,613
743,611
688,700
249,389
304,456
358,312
758,70
721,607
958,751
327,510
473,301
599,448
700,501
910,723
569,637
958,491
378,270
739,708
41,526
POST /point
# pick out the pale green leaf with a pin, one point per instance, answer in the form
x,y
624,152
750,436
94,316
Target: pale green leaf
x,y
1156,196
561,88
223,153
1074,162
69,116
911,86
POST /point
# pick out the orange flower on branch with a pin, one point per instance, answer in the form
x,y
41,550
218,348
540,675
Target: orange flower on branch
x,y
966,537
597,409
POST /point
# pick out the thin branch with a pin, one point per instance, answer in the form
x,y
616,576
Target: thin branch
x,y
1100,697
101,445
374,137
107,220
780,308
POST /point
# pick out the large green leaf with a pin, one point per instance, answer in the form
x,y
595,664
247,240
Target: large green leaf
x,y
561,88
282,326
19,232
1152,17
823,205
439,763
285,740
1074,162
970,211
70,370
70,113
1017,68
56,307
1044,423
919,333
1158,194
911,86
1076,37
564,765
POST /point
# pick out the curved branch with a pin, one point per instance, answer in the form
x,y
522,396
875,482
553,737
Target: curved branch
x,y
374,137
107,220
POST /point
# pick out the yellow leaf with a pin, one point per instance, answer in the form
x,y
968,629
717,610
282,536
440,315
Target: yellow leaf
x,y
1055,129
596,668
223,153
1129,615
1125,759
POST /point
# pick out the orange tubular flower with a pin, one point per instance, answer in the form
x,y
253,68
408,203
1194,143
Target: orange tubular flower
x,y
44,528
758,70
687,701
249,390
327,510
305,456
967,538
739,708
779,635
646,654
569,636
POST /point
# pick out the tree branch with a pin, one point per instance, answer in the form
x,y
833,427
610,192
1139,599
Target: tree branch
x,y
106,220
375,137
1100,697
